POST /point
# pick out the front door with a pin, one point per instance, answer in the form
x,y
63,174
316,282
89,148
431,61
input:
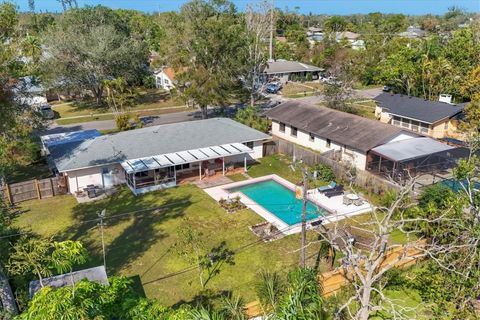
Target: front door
x,y
107,178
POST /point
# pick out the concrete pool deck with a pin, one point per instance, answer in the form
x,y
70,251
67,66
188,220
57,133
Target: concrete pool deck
x,y
334,206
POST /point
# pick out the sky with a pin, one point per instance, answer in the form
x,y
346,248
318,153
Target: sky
x,y
337,7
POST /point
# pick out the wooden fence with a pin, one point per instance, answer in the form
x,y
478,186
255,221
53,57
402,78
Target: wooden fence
x,y
34,189
364,179
332,281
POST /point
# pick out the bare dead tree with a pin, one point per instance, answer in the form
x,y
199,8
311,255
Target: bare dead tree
x,y
366,263
257,21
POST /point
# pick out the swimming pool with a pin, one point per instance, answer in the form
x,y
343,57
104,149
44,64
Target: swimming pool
x,y
457,185
279,200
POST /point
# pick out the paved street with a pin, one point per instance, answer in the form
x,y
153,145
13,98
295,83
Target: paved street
x,y
195,115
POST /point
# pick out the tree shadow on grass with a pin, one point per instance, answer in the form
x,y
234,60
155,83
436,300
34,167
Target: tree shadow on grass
x,y
145,215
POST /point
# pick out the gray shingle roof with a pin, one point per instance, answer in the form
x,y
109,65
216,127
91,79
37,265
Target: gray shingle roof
x,y
150,141
282,66
416,108
354,131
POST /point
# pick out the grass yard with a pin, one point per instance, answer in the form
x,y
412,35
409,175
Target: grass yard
x,y
297,89
365,109
141,244
147,99
111,117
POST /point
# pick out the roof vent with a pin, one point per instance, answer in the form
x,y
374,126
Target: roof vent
x,y
446,98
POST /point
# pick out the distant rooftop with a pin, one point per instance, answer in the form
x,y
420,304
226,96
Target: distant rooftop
x,y
151,141
418,109
283,66
96,274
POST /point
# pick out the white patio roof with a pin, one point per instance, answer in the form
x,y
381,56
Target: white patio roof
x,y
181,157
410,148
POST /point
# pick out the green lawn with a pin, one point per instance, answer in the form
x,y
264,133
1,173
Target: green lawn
x,y
141,244
297,89
147,99
111,117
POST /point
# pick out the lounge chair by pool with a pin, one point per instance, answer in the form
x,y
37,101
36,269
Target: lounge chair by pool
x,y
330,186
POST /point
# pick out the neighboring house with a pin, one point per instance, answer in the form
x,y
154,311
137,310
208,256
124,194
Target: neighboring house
x,y
96,274
29,91
324,129
437,119
287,70
153,158
413,32
352,38
314,35
366,144
165,78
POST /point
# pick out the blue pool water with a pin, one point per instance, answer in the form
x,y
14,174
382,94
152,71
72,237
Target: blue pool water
x,y
457,185
280,201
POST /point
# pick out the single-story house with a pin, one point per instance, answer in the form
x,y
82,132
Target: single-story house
x,y
437,119
353,39
96,274
287,70
165,78
157,157
360,141
413,32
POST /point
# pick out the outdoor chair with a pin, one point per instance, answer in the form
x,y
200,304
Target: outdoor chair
x,y
328,187
337,191
347,201
358,202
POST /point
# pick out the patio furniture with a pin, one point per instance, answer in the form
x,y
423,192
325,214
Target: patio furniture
x,y
328,187
337,191
347,201
358,202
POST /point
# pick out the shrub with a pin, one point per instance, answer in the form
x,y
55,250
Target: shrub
x,y
126,122
149,82
324,172
437,195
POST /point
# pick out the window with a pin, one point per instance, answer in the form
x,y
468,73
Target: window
x,y
312,137
294,131
424,127
249,144
328,143
396,121
166,81
446,125
184,166
405,123
281,127
415,125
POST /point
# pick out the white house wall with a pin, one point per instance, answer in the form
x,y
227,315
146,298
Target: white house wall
x,y
357,158
79,179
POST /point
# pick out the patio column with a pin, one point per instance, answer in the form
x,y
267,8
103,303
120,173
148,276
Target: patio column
x,y
223,165
245,163
200,170
379,164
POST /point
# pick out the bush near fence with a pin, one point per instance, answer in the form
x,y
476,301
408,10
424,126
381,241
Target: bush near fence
x,y
363,179
33,189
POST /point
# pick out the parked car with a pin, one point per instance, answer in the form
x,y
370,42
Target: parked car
x,y
46,111
273,88
386,89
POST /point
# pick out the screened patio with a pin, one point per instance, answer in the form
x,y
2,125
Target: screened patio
x,y
162,171
408,158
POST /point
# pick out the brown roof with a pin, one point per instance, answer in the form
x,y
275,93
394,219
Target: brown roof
x,y
170,72
344,128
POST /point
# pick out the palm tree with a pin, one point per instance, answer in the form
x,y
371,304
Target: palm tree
x,y
269,290
201,313
32,48
233,308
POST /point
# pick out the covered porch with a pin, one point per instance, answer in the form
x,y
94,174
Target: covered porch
x,y
167,170
402,160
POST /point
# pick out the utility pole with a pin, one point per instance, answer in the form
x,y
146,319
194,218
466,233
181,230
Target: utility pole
x,y
272,9
101,215
304,218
